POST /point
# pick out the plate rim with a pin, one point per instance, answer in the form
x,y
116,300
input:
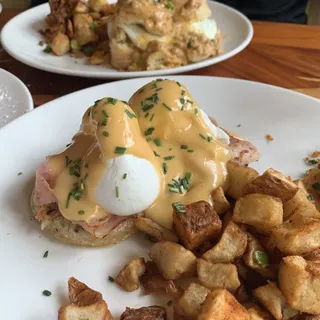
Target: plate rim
x,y
173,77
134,74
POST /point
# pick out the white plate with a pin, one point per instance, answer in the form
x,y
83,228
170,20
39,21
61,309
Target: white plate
x,y
15,98
291,118
23,46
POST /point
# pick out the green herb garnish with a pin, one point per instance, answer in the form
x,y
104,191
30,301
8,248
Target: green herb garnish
x,y
129,114
178,83
141,91
157,142
117,191
124,177
68,145
19,173
262,258
316,186
152,117
120,150
105,113
184,146
111,279
169,158
111,101
170,5
209,139
167,106
88,51
190,150
93,25
45,255
104,122
156,154
179,207
46,293
189,44
169,303
81,212
47,49
165,168
312,161
202,136
147,107
149,131
310,197
196,111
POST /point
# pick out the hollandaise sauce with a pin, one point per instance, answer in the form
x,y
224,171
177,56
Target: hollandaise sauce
x,y
161,124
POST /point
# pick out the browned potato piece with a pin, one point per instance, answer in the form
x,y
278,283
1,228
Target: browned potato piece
x,y
128,278
98,58
60,44
85,303
83,33
154,230
300,204
239,178
173,260
257,313
189,304
231,245
200,223
297,236
97,5
222,305
219,275
299,282
257,258
220,202
274,301
312,183
145,313
275,184
260,211
313,255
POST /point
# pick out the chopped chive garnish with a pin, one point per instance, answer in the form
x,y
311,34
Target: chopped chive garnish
x,y
46,293
105,113
159,89
81,212
106,133
209,139
202,136
117,191
239,125
316,186
183,146
182,101
111,101
149,139
196,111
93,25
165,168
167,106
190,150
159,80
152,117
149,131
170,149
69,144
178,207
262,258
147,115
156,154
174,190
19,173
129,114
312,161
45,255
170,5
189,44
47,49
68,200
120,150
157,142
124,177
141,90
169,303
190,101
178,83
147,107
88,51
104,122
169,158
125,102
154,86
183,92
310,197
110,279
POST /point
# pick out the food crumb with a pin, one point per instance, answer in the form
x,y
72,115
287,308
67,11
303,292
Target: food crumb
x,y
269,137
20,173
41,43
46,254
315,154
111,279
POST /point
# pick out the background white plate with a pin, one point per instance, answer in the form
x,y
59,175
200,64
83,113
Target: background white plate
x,y
15,98
23,46
291,118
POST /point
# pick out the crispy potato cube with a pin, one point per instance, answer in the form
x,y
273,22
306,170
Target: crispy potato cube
x,y
154,230
222,305
231,245
313,255
219,275
129,277
299,281
200,223
173,260
239,178
312,184
85,303
190,303
257,258
145,313
257,313
82,29
260,211
220,202
275,184
273,300
297,236
60,44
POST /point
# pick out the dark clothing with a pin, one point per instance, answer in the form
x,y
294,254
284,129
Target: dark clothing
x,y
267,10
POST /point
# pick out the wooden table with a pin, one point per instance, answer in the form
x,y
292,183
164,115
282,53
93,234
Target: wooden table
x,y
284,55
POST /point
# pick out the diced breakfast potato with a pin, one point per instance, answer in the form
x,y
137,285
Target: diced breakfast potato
x,y
273,300
257,258
219,275
313,255
98,58
83,33
144,313
97,5
239,178
231,245
129,276
222,305
275,184
257,313
190,303
60,44
81,8
220,202
260,211
155,230
200,223
173,260
312,184
299,282
85,303
297,236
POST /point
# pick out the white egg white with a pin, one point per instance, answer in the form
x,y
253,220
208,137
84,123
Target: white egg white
x,y
128,186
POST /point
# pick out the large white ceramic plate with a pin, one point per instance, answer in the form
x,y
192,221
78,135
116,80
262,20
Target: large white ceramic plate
x,y
20,38
291,118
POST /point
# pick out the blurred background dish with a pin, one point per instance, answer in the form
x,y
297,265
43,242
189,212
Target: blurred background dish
x,y
15,98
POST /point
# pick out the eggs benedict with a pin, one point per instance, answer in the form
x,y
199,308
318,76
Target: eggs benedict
x,y
131,159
